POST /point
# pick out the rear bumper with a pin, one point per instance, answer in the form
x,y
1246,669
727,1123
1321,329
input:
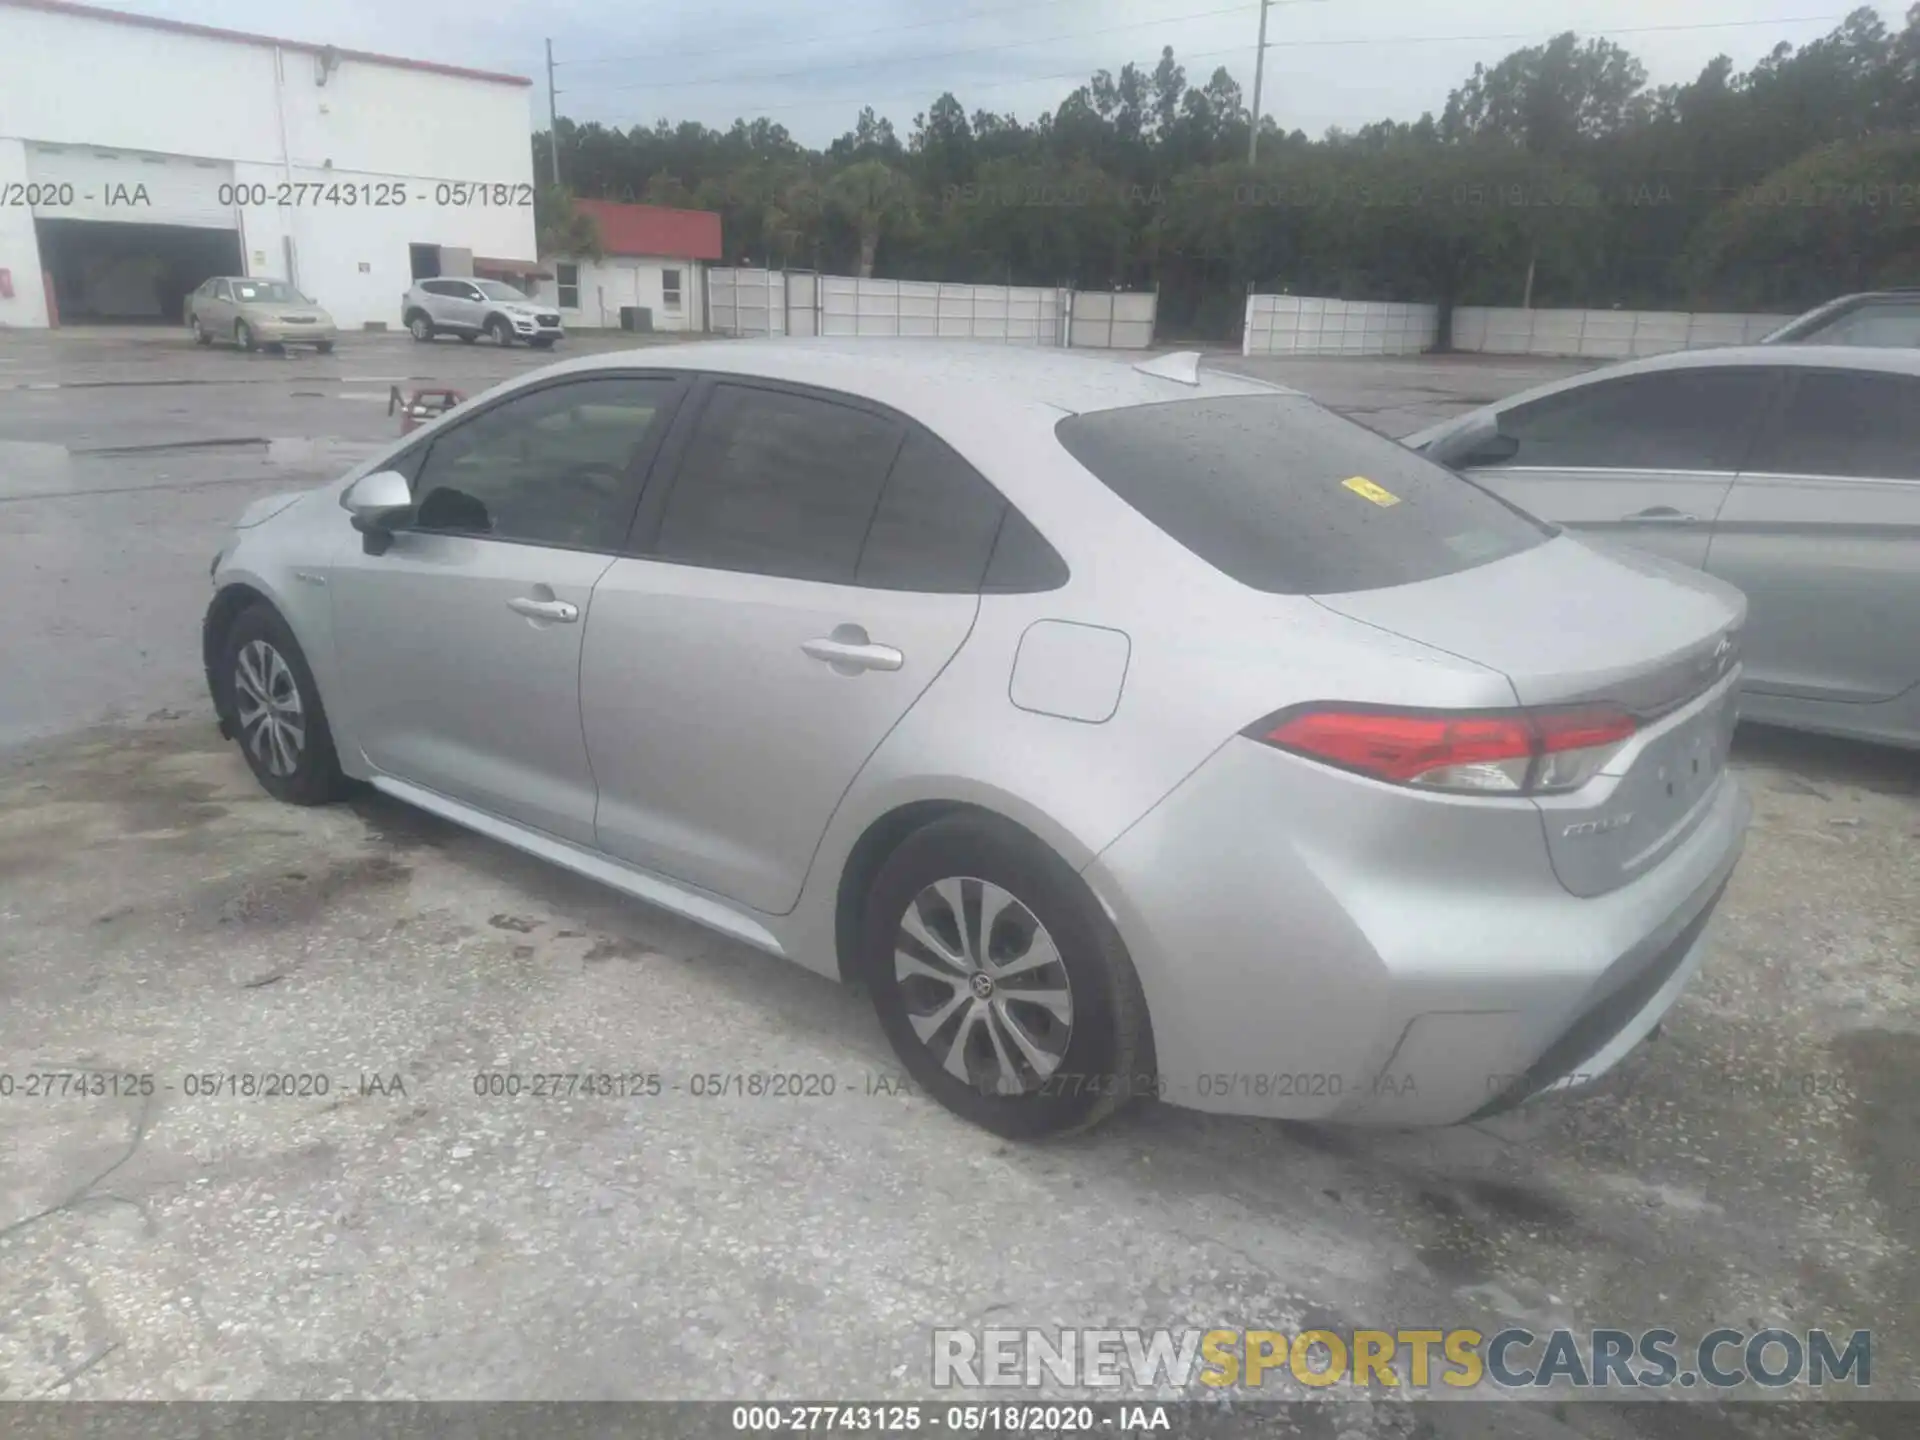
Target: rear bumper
x,y
1306,958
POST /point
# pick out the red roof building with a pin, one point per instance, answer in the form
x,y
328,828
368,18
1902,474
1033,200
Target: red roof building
x,y
654,230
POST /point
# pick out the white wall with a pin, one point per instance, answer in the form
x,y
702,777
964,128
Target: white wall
x,y
616,280
1309,325
18,252
67,79
760,302
1602,334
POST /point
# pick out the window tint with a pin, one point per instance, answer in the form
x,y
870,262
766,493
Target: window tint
x,y
778,483
1846,423
1287,498
1885,322
1671,420
935,527
1023,562
553,467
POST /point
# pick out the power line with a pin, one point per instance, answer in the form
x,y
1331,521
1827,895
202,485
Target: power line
x,y
866,97
788,44
932,55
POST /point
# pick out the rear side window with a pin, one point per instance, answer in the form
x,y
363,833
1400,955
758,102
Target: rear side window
x,y
1684,419
1288,498
779,484
935,526
1846,423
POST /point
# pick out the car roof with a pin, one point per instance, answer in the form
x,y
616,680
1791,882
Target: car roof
x,y
922,377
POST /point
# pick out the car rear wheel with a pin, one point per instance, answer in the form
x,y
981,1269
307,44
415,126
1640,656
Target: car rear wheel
x,y
273,708
501,331
1003,988
243,337
200,336
420,327
325,347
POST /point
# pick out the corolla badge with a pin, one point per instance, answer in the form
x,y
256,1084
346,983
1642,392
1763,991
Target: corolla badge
x,y
1598,827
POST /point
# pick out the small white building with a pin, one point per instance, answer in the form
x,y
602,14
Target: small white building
x,y
654,263
139,156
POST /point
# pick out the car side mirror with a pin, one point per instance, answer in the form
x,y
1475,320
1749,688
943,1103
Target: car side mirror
x,y
377,502
1479,443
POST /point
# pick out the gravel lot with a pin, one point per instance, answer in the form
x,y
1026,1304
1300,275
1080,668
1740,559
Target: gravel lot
x,y
1758,1165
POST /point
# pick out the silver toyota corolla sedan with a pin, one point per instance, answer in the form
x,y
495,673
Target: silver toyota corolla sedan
x,y
1789,471
1123,729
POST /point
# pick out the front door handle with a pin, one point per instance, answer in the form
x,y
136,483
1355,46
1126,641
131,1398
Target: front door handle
x,y
1661,515
534,609
849,651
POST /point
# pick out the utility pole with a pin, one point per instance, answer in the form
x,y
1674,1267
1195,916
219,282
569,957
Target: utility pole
x,y
1259,73
553,118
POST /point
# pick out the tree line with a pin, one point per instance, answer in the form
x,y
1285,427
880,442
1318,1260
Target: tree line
x,y
1556,175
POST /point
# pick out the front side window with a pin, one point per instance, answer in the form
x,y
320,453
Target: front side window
x,y
566,279
1288,498
1682,419
554,467
1840,422
778,484
670,288
497,290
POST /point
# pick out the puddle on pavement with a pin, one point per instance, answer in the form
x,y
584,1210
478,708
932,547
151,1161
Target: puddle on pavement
x,y
36,470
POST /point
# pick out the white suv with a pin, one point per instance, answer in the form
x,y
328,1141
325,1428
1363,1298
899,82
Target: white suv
x,y
472,308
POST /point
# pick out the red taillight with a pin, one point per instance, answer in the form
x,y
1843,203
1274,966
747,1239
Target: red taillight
x,y
1516,753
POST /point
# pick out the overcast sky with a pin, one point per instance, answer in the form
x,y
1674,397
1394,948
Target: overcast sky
x,y
812,66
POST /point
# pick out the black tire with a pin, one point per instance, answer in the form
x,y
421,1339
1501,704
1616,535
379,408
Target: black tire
x,y
243,336
315,777
501,332
200,336
467,337
1105,1057
420,326
325,347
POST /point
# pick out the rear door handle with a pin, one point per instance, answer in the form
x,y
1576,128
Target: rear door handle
x,y
1661,515
562,610
849,651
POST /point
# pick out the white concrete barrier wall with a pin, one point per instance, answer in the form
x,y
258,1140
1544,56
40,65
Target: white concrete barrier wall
x,y
1310,325
1602,334
752,302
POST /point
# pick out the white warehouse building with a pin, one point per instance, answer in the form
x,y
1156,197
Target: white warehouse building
x,y
139,156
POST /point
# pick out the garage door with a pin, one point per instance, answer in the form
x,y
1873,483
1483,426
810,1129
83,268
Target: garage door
x,y
72,182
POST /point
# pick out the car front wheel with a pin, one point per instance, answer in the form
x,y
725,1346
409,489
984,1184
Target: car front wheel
x,y
501,331
272,707
1002,987
243,337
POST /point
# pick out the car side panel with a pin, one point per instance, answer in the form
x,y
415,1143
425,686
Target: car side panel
x,y
1831,567
1670,513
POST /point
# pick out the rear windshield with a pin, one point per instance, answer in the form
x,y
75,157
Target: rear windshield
x,y
1289,498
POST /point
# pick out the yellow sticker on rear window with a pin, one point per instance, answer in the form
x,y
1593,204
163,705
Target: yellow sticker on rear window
x,y
1367,490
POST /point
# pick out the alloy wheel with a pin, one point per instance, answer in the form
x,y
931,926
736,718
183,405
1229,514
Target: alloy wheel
x,y
273,721
984,985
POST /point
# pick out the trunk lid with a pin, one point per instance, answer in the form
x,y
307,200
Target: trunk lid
x,y
1575,622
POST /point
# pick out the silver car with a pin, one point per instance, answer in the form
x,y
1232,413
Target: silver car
x,y
471,308
1124,730
257,311
1789,471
